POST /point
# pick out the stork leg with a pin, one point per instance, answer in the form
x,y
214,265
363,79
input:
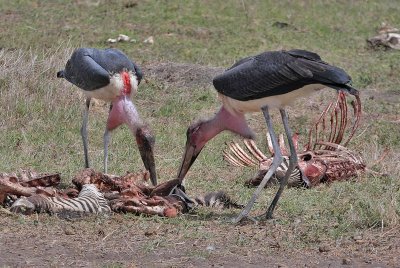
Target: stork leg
x,y
275,164
106,139
84,131
292,164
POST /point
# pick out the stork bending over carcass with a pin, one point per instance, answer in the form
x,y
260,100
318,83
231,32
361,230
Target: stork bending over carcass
x,y
268,80
109,75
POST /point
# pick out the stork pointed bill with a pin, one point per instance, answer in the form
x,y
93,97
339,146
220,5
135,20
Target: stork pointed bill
x,y
145,141
192,150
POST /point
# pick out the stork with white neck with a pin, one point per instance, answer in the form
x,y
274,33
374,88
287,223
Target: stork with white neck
x,y
109,75
272,79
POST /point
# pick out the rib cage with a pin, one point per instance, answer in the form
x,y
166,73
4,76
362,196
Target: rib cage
x,y
322,159
237,156
338,112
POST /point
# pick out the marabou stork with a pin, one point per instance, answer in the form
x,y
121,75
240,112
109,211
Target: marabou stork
x,y
272,79
110,75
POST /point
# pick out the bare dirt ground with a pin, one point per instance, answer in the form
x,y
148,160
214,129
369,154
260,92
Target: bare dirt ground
x,y
46,241
130,241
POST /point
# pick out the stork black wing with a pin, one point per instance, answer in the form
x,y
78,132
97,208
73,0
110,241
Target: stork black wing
x,y
277,72
90,68
84,72
305,54
114,61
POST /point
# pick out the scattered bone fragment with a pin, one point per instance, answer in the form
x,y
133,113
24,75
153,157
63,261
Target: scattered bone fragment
x,y
387,37
149,40
123,38
111,40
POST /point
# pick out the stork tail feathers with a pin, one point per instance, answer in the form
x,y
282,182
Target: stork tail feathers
x,y
60,74
347,88
352,90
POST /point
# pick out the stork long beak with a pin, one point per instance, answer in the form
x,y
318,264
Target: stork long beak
x,y
190,155
145,141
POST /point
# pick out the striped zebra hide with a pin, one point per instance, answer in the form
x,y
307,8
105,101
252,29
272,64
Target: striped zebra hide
x,y
95,192
89,200
132,193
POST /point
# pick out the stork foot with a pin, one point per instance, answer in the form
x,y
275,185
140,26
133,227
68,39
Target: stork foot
x,y
265,216
244,215
257,219
269,214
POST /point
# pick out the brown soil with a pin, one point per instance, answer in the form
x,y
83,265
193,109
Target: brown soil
x,y
181,74
120,241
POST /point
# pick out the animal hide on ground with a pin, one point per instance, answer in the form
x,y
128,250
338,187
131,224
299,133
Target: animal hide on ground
x,y
30,192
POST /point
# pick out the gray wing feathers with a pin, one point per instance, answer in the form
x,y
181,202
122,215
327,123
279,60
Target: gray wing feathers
x,y
241,62
274,73
320,70
299,69
82,71
90,68
305,54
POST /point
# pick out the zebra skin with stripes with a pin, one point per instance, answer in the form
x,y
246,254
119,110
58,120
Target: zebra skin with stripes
x,y
296,179
89,200
219,200
103,193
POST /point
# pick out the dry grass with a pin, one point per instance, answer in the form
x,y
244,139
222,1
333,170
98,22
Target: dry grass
x,y
25,75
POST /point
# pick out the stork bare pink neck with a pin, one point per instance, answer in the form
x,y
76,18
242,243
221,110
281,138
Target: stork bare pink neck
x,y
123,111
225,120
